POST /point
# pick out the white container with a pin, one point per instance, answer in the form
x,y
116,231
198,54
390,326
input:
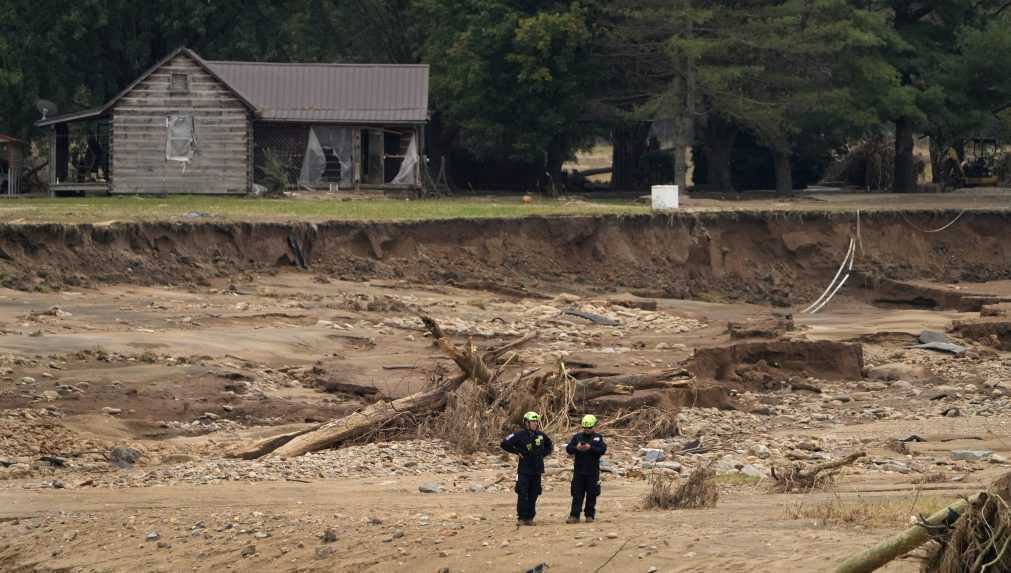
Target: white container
x,y
665,196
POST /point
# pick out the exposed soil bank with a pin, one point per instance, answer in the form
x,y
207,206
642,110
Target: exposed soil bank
x,y
772,258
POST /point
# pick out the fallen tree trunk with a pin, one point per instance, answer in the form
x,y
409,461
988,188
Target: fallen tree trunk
x,y
364,421
604,386
265,446
881,554
376,415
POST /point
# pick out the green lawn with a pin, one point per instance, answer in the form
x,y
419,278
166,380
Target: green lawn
x,y
199,208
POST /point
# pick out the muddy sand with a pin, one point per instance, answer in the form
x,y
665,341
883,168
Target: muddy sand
x,y
134,359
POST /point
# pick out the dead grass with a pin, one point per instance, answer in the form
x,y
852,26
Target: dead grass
x,y
738,480
700,490
894,512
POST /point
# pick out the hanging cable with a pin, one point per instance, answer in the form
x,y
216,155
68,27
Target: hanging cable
x,y
839,286
939,229
850,253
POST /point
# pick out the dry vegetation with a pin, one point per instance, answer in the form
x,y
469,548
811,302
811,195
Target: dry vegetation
x,y
700,490
884,513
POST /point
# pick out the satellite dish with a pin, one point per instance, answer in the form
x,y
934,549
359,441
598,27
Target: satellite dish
x,y
46,108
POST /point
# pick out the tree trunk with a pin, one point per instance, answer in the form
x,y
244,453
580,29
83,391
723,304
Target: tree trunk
x,y
784,171
553,182
681,166
905,177
367,420
937,156
608,385
719,146
878,556
628,147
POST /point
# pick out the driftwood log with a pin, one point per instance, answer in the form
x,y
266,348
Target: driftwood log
x,y
375,416
898,545
369,419
797,477
591,388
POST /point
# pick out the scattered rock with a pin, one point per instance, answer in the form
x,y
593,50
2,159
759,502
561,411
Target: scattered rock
x,y
112,411
653,455
971,455
248,551
669,466
329,536
429,488
123,457
153,536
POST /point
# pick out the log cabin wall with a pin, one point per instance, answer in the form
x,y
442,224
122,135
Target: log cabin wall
x,y
221,163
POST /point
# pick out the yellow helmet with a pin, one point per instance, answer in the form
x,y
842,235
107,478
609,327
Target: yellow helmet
x,y
589,421
531,417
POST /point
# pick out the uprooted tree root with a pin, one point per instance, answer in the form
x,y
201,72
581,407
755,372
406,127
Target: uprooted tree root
x,y
807,478
698,491
980,540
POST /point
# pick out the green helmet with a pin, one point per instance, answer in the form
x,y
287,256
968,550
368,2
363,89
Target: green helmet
x,y
531,417
589,421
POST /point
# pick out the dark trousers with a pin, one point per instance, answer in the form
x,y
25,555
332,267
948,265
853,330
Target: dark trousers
x,y
585,486
528,488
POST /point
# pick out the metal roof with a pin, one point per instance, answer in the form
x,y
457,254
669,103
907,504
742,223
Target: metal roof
x,y
74,116
338,93
325,93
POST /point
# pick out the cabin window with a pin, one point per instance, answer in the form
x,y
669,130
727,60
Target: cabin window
x,y
181,141
179,84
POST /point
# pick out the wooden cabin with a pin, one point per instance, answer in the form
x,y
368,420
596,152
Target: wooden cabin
x,y
189,125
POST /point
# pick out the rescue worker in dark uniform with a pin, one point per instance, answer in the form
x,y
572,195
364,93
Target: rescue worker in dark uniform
x,y
531,445
585,447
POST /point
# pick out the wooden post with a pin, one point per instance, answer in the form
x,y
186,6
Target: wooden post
x,y
419,145
52,159
356,153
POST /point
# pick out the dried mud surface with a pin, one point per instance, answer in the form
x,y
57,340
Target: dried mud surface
x,y
180,342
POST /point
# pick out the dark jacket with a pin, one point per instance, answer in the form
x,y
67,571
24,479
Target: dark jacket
x,y
531,448
588,462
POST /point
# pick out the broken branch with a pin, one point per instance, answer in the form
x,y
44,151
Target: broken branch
x,y
797,477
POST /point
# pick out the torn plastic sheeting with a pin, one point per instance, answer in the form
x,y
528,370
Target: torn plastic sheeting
x,y
336,140
406,175
182,139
